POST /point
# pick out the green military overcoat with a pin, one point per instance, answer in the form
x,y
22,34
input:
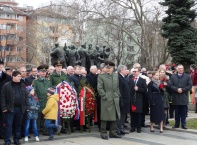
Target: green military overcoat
x,y
40,88
108,89
56,78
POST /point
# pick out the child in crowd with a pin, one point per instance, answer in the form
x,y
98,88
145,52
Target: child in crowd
x,y
50,112
32,115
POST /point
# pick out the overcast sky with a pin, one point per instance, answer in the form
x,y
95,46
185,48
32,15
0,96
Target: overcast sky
x,y
34,3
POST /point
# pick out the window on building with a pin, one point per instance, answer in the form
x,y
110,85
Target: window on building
x,y
20,38
11,36
10,26
2,15
20,18
10,58
2,26
7,48
19,59
2,37
19,49
20,28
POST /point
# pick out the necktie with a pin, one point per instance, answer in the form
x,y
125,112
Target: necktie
x,y
135,81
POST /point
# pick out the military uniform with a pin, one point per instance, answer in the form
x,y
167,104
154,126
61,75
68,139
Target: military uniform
x,y
40,86
108,89
56,78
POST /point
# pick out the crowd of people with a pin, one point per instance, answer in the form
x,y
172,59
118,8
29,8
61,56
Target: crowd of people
x,y
30,103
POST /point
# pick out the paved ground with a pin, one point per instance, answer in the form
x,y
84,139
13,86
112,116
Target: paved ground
x,y
169,137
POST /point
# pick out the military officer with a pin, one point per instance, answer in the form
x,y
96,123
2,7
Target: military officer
x,y
41,84
58,75
108,89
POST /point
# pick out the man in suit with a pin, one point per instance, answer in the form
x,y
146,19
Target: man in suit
x,y
4,78
138,88
108,89
124,98
180,84
23,72
34,73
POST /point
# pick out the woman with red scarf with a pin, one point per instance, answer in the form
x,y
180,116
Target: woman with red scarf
x,y
193,74
155,91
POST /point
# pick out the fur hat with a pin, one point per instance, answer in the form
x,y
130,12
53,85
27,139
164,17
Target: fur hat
x,y
29,89
193,66
51,90
109,63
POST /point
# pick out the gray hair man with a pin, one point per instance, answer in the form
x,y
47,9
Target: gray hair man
x,y
124,98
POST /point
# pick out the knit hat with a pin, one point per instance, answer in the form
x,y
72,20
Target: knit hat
x,y
51,90
29,89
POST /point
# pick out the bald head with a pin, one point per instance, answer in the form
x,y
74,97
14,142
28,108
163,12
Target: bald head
x,y
70,70
93,69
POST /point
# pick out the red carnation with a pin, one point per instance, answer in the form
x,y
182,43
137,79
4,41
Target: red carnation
x,y
133,108
161,86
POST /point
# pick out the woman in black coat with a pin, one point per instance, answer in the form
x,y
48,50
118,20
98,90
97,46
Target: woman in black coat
x,y
156,103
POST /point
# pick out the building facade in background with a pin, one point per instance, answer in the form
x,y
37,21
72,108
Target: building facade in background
x,y
12,34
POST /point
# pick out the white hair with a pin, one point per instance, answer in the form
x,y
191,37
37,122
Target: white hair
x,y
93,67
83,68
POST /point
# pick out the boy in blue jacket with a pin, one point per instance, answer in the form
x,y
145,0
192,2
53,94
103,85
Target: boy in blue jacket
x,y
32,114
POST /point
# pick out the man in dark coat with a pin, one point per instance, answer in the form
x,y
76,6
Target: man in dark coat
x,y
76,78
4,78
124,98
180,84
34,73
14,103
138,88
23,72
76,82
92,81
70,72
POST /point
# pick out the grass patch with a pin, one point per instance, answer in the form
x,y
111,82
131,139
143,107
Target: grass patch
x,y
190,123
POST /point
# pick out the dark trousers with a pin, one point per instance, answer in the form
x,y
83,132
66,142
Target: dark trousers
x,y
13,120
143,119
113,126
23,124
120,122
180,114
171,110
40,121
99,112
136,120
1,123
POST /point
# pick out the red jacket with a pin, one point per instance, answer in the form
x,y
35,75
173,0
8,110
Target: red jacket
x,y
194,77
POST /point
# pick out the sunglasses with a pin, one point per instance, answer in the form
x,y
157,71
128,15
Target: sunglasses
x,y
135,71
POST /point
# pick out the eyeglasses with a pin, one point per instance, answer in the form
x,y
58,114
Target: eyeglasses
x,y
135,71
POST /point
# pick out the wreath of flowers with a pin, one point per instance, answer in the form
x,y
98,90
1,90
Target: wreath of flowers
x,y
68,101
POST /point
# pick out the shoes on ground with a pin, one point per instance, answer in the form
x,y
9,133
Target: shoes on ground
x,y
37,138
105,137
59,127
26,138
